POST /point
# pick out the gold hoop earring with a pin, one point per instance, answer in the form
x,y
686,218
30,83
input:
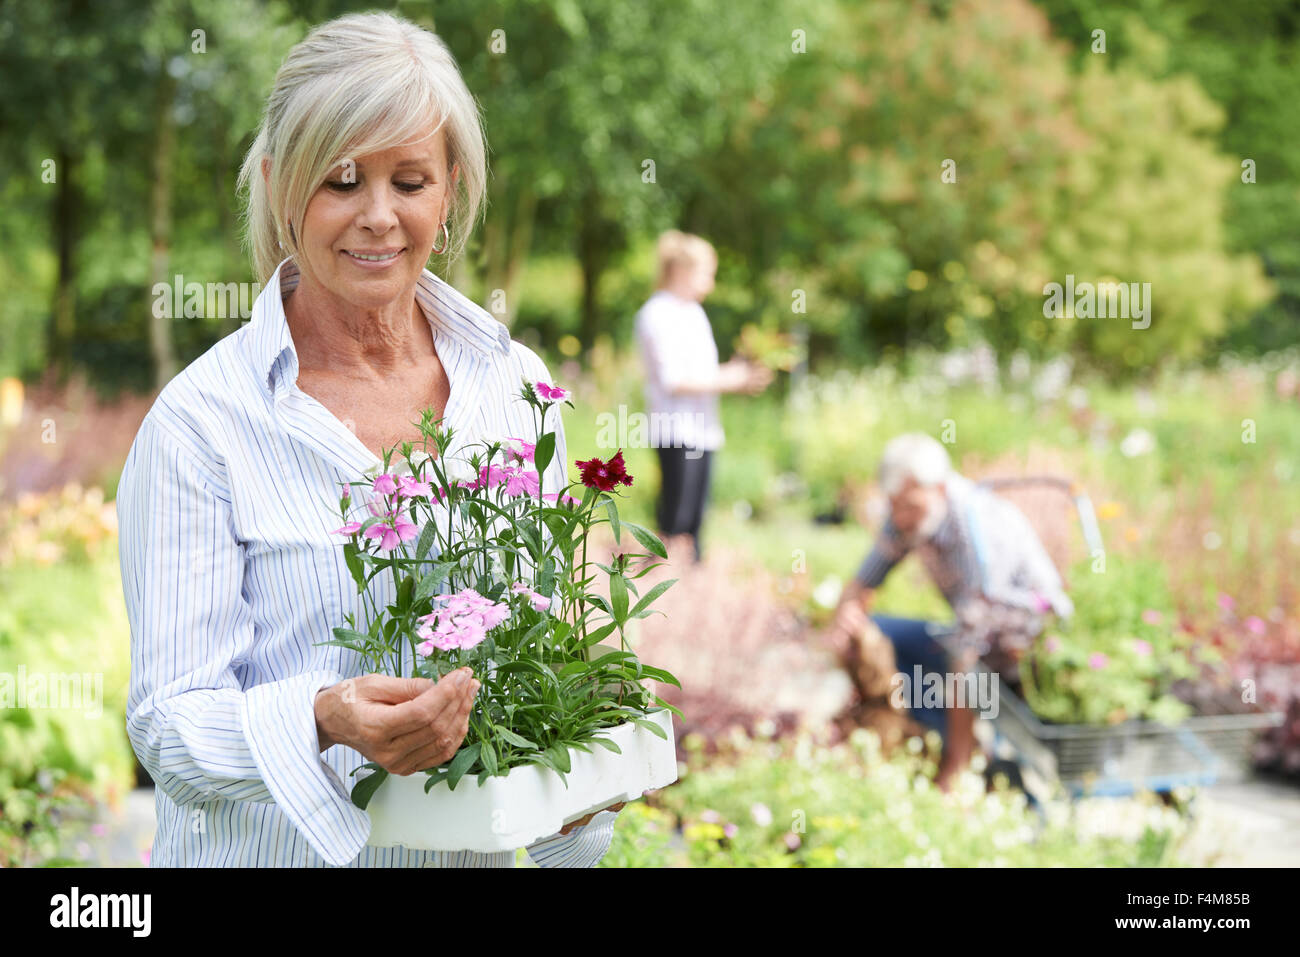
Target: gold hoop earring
x,y
446,236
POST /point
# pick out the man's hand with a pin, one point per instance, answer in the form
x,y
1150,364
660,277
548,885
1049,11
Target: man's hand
x,y
402,724
583,821
850,618
849,623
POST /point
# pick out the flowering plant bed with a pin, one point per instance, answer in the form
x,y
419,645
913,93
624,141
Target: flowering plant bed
x,y
490,570
1119,657
1100,704
1132,755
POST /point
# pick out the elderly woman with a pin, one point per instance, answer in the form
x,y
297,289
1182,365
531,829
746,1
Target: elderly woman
x,y
370,158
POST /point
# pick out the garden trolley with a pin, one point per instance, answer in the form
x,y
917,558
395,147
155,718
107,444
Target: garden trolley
x,y
1124,758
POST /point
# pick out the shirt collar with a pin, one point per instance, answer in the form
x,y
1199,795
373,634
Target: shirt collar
x,y
959,491
448,311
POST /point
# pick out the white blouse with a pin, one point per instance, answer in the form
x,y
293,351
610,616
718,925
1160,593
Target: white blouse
x,y
677,346
231,571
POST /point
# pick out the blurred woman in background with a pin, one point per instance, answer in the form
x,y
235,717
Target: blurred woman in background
x,y
683,381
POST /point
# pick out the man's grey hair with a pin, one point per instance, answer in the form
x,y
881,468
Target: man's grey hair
x,y
916,456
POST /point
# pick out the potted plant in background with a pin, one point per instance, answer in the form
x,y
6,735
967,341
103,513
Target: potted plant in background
x,y
491,570
1104,707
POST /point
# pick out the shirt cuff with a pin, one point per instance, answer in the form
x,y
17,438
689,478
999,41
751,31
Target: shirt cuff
x,y
280,725
582,847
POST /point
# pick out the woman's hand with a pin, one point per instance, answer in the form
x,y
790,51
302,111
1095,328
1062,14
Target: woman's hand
x,y
738,374
583,821
402,724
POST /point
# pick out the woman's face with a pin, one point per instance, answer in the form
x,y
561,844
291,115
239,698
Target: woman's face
x,y
705,273
391,206
697,279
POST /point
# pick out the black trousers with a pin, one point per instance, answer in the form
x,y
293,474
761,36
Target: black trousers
x,y
683,492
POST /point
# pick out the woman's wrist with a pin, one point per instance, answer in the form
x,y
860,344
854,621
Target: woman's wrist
x,y
731,377
325,707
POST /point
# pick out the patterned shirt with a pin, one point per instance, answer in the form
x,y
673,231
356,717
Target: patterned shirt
x,y
986,560
677,346
232,572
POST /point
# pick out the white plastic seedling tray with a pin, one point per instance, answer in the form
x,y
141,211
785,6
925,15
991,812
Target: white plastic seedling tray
x,y
526,804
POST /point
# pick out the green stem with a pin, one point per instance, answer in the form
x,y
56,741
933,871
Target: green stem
x,y
397,593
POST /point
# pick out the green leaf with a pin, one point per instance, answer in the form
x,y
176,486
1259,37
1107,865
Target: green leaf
x,y
614,656
354,565
573,668
660,675
544,452
518,740
347,637
651,595
560,757
461,763
342,643
534,633
648,539
612,509
651,727
488,755
664,704
597,635
607,744
431,580
544,759
532,539
404,593
365,788
546,583
427,536
618,597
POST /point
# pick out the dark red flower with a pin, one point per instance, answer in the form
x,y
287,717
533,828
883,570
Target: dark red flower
x,y
605,475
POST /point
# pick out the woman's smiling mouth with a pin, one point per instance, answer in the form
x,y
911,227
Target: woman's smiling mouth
x,y
375,258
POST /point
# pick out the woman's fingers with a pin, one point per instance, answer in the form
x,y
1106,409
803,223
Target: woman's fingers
x,y
429,756
435,720
385,689
583,821
429,707
432,744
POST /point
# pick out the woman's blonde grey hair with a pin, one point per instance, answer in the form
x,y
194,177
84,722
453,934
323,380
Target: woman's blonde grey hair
x,y
677,249
359,84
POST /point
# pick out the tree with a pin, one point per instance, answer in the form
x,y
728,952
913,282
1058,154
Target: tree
x,y
934,171
599,116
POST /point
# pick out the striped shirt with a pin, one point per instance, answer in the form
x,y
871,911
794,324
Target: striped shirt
x,y
231,571
677,346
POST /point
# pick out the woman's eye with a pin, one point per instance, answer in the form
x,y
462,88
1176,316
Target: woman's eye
x,y
344,187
